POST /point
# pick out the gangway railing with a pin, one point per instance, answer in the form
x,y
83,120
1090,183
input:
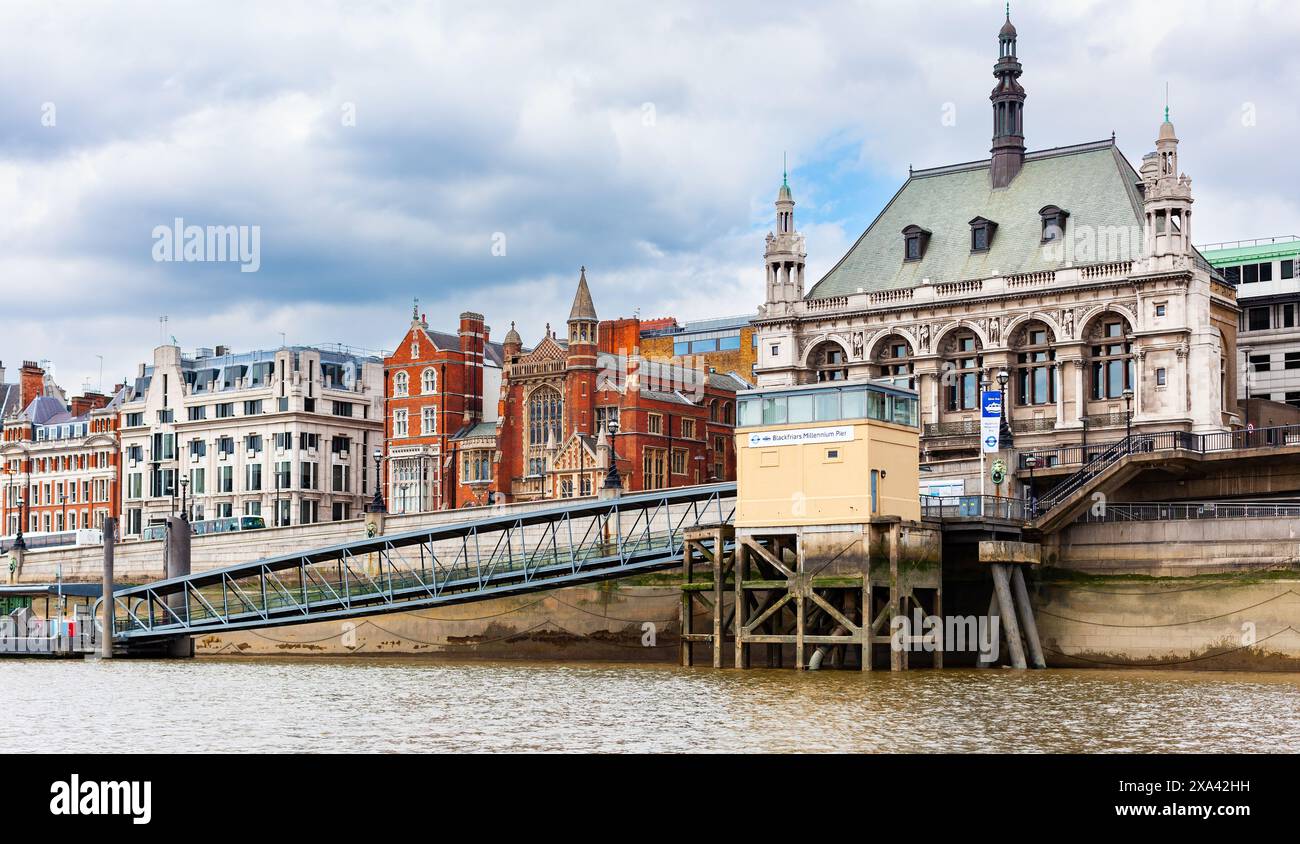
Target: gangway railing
x,y
455,563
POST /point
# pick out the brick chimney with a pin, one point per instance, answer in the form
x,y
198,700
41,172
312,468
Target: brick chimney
x,y
32,379
90,401
473,339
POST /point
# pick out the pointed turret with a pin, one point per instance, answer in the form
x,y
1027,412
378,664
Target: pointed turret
x,y
1166,198
1008,100
784,255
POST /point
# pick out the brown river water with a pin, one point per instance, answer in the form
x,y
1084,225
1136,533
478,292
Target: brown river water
x,y
364,705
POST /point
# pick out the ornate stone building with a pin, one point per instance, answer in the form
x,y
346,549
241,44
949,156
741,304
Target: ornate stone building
x,y
1066,269
675,422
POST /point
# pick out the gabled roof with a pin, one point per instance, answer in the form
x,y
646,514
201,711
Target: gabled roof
x,y
1093,181
11,396
46,410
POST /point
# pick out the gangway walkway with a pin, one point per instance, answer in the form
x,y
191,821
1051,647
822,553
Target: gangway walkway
x,y
447,564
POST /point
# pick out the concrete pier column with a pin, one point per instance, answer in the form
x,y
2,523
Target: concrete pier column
x,y
106,635
178,565
1002,584
1027,622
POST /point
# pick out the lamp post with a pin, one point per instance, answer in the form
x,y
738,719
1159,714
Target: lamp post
x,y
1245,372
377,505
1128,419
185,486
612,480
984,386
1004,429
1030,462
19,543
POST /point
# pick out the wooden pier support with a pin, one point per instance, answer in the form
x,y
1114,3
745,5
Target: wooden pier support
x,y
825,596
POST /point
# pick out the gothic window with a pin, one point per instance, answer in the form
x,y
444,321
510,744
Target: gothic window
x,y
981,234
401,384
962,364
1111,354
400,424
1053,221
545,416
830,362
915,239
1034,361
894,362
428,382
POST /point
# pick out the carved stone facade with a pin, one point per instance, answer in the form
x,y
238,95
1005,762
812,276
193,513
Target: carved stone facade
x,y
1086,292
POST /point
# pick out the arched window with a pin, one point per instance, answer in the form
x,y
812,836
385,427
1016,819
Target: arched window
x,y
428,382
830,362
545,416
893,360
1034,361
962,365
401,384
1111,355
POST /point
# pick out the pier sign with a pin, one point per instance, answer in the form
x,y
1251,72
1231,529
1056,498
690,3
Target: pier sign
x,y
990,419
802,436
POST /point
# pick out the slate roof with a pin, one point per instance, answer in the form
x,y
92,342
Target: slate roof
x,y
481,429
1093,182
11,396
494,353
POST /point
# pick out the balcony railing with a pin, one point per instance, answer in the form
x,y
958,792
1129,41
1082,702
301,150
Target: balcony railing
x,y
1190,511
974,507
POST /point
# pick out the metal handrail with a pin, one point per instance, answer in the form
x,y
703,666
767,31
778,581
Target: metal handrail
x,y
1189,511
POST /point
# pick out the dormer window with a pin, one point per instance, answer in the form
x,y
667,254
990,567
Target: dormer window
x,y
915,239
1053,219
981,234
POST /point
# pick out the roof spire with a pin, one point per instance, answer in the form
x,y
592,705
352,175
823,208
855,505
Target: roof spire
x,y
784,174
1166,102
583,308
415,310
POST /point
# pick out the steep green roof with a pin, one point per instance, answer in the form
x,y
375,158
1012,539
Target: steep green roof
x,y
1093,182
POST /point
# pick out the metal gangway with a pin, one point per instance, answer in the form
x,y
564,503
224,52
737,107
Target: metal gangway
x,y
495,556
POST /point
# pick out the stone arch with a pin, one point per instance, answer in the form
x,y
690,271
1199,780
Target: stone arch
x,y
817,341
945,330
1089,316
872,345
1016,322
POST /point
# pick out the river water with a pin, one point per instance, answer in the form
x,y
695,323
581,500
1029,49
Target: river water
x,y
370,705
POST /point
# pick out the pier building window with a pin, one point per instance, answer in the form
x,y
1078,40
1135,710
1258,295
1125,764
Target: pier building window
x,y
1112,360
428,382
1035,360
963,364
428,421
400,423
830,362
401,383
894,362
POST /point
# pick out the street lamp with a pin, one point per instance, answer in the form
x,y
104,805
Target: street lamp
x,y
377,505
185,486
612,480
1030,462
19,544
1128,418
1004,429
984,388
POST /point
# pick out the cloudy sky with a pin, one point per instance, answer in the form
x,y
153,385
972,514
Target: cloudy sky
x,y
392,150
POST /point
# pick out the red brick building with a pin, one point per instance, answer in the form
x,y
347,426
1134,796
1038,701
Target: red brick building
x,y
675,422
60,459
434,387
